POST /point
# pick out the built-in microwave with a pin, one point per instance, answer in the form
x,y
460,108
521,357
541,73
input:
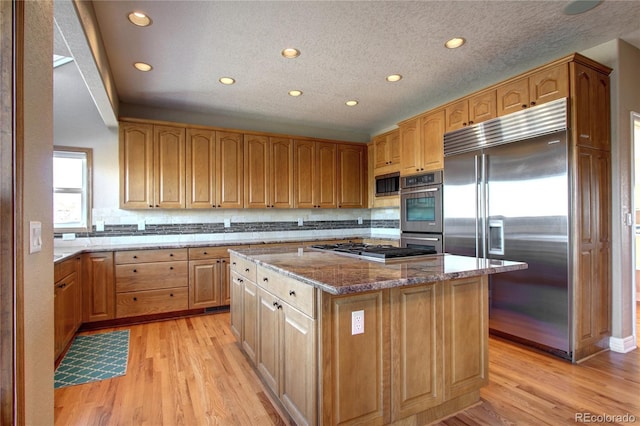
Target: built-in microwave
x,y
388,184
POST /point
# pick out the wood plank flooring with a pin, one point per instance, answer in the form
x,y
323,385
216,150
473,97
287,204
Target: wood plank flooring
x,y
190,372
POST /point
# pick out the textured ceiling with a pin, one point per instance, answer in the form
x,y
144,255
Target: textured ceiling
x,y
347,50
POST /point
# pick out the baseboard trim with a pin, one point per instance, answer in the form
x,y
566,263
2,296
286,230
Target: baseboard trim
x,y
622,344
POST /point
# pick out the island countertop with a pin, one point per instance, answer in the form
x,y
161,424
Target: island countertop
x,y
338,274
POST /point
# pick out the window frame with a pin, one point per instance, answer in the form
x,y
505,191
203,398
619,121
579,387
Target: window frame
x,y
88,191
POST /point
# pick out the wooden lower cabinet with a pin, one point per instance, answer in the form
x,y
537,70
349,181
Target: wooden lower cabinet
x,y
67,303
209,283
423,354
98,287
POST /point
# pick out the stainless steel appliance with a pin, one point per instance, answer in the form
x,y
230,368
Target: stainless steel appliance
x,y
380,253
421,203
388,184
506,196
422,241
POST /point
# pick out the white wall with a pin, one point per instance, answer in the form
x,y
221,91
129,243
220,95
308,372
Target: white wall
x,y
37,268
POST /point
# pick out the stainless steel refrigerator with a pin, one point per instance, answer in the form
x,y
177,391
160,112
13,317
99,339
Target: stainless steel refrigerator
x,y
506,195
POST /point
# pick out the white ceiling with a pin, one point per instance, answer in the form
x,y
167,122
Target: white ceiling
x,y
347,50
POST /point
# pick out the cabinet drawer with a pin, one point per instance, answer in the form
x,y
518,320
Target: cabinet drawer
x,y
149,276
297,294
201,253
244,267
151,302
143,256
62,269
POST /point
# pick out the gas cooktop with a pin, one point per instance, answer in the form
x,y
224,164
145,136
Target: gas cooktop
x,y
374,252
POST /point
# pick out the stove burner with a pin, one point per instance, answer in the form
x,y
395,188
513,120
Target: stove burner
x,y
374,251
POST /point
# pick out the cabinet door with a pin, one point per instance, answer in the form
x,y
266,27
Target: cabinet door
x,y
229,170
236,310
268,359
410,148
466,353
169,166
457,115
98,287
204,283
67,292
548,85
482,107
325,175
416,349
381,147
250,320
136,166
225,282
513,96
257,179
591,107
299,361
351,176
393,142
200,169
304,164
432,129
592,284
281,161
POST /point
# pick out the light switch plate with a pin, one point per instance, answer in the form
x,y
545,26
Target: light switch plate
x,y
35,237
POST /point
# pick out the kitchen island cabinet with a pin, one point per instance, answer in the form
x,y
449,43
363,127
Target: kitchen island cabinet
x,y
422,352
67,303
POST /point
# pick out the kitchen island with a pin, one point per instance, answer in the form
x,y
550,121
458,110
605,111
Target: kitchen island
x,y
339,339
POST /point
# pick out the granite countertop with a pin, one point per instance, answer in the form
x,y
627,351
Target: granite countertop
x,y
63,253
338,274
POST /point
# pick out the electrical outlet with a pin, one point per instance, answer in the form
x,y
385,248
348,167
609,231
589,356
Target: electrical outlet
x,y
227,223
359,221
99,225
357,322
141,225
300,221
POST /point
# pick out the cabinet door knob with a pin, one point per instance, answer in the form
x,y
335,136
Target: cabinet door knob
x,y
171,268
171,295
170,254
135,270
265,279
157,205
533,103
233,263
292,293
470,122
135,257
151,206
246,270
524,105
279,306
135,299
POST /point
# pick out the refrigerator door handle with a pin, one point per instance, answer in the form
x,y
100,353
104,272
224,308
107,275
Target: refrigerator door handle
x,y
476,163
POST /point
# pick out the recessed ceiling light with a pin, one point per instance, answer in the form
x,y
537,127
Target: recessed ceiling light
x,y
141,66
290,53
394,77
139,19
454,43
295,93
351,103
227,80
577,7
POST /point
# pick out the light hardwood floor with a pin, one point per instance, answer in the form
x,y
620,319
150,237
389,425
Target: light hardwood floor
x,y
190,372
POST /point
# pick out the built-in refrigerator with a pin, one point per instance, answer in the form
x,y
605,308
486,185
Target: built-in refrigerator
x,y
506,195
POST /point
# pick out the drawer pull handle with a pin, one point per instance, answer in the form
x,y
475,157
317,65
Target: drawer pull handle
x,y
246,270
171,295
204,252
233,263
292,293
279,306
171,268
135,299
135,270
135,257
265,279
275,303
170,254
241,280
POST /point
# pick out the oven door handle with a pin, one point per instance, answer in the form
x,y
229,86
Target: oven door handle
x,y
404,191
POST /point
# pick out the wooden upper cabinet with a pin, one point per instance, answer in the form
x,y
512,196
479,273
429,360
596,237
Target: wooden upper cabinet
x,y
386,155
201,169
281,160
325,175
229,170
169,166
432,141
257,177
315,166
591,124
457,115
352,176
422,143
482,107
410,147
542,86
136,165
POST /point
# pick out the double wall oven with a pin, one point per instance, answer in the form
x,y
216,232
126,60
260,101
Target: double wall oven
x,y
421,211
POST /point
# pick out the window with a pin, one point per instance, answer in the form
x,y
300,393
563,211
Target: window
x,y
71,189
